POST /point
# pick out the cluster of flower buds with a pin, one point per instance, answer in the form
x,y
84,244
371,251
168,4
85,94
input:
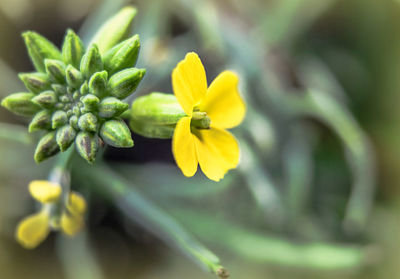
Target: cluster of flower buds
x,y
76,95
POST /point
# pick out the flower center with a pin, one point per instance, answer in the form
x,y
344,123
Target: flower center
x,y
200,120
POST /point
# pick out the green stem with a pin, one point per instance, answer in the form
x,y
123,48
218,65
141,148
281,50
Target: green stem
x,y
141,210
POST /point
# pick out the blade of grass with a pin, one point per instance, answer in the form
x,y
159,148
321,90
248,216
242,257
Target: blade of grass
x,y
139,209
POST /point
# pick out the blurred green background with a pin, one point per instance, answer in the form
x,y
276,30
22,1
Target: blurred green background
x,y
316,193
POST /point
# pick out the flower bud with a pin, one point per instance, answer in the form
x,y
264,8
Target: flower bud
x,y
122,56
39,49
73,121
58,119
65,137
41,121
91,62
155,115
60,90
90,101
35,82
46,99
73,49
84,88
114,30
74,77
55,70
98,83
21,104
87,145
124,83
88,122
112,107
46,147
116,133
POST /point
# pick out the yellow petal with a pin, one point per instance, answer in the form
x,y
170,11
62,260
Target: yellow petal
x,y
71,224
189,82
223,103
32,230
217,151
183,147
45,191
76,204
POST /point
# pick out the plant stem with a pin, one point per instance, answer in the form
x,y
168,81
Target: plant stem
x,y
141,210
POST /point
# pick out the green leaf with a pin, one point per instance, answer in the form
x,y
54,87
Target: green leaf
x,y
116,133
21,104
114,30
39,49
125,82
73,49
122,56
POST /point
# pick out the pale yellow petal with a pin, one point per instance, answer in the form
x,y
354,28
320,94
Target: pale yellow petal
x,y
76,204
45,191
71,224
183,147
223,103
33,230
217,151
189,82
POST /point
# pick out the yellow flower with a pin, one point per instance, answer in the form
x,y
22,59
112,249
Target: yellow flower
x,y
34,229
200,137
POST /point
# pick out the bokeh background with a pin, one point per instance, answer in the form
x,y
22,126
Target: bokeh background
x,y
316,194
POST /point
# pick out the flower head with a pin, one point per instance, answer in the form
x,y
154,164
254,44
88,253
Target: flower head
x,y
76,94
34,229
201,136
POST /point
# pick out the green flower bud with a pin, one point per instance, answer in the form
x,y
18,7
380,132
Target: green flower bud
x,y
122,56
39,49
65,137
35,82
114,30
84,88
157,108
124,83
112,107
46,147
116,133
74,77
58,119
60,90
46,99
98,83
152,130
73,49
87,144
55,70
88,122
155,115
41,121
91,62
21,104
73,121
90,101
